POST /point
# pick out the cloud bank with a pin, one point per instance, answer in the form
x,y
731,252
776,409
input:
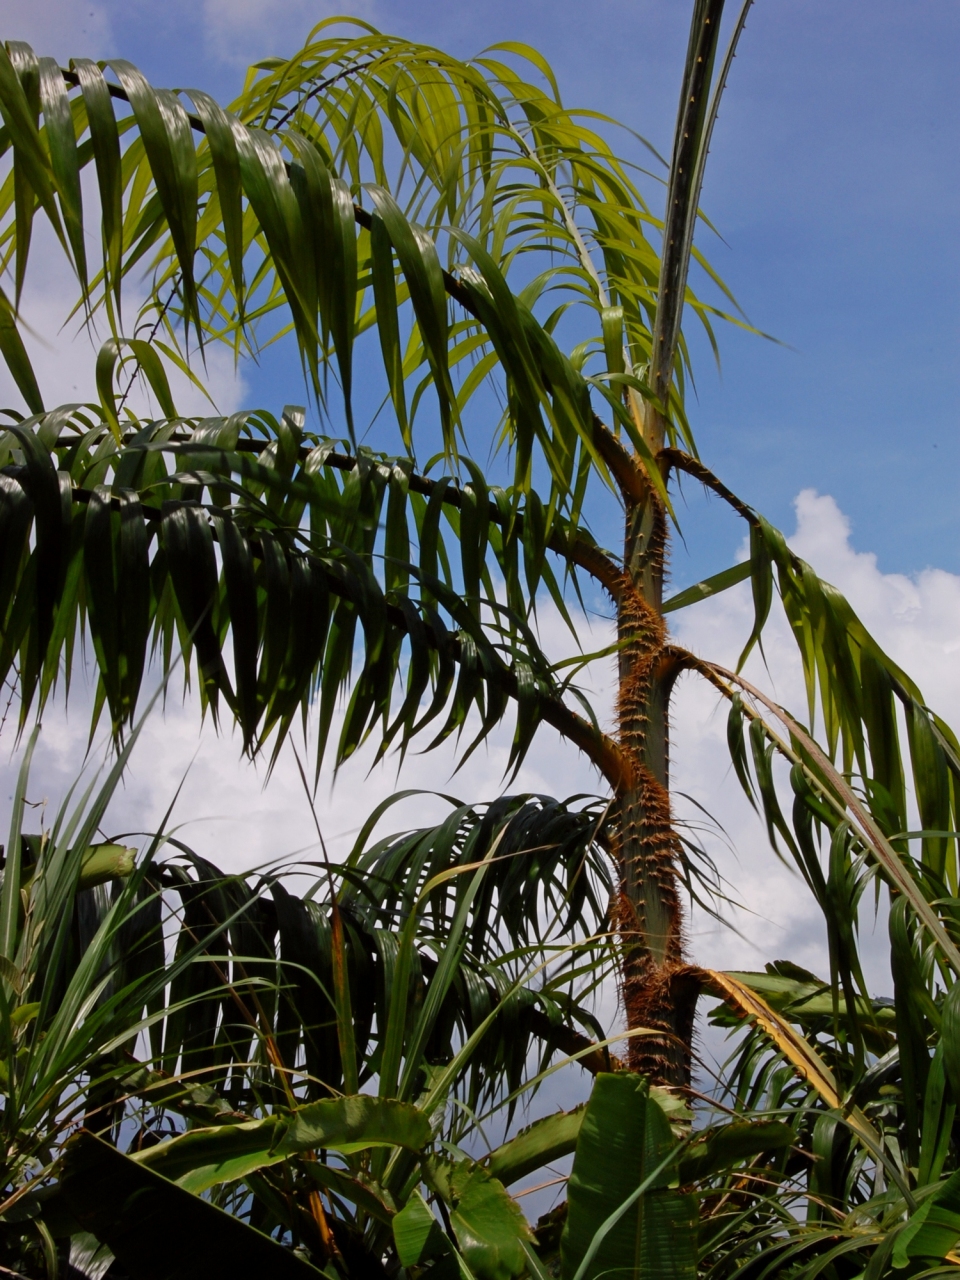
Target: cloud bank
x,y
915,619
238,819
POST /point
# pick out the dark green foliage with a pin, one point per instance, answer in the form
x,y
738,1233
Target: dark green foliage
x,y
131,1209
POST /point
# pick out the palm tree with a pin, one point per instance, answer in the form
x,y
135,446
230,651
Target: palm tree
x,y
325,203
371,186
494,169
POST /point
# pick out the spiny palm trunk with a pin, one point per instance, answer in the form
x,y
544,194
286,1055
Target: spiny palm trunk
x,y
659,991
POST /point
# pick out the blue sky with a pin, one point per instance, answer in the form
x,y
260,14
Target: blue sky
x,y
833,182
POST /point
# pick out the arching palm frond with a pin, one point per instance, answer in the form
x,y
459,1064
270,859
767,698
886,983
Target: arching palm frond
x,y
247,535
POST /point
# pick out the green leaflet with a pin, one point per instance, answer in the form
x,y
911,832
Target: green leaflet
x,y
52,535
226,166
939,1110
148,361
541,1143
238,574
385,297
624,1139
168,143
761,579
709,587
272,198
16,358
16,516
106,150
201,1158
188,544
931,781
612,324
64,160
25,64
330,237
33,176
10,889
420,264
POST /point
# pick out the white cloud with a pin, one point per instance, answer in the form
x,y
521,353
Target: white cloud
x,y
237,821
63,354
59,29
916,619
242,31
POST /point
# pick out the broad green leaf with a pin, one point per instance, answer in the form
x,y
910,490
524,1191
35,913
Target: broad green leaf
x,y
950,1033
417,1234
540,1144
488,1223
202,1158
623,1140
933,1231
726,1146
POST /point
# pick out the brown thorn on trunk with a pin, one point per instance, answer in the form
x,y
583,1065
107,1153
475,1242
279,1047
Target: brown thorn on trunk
x,y
663,999
646,849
